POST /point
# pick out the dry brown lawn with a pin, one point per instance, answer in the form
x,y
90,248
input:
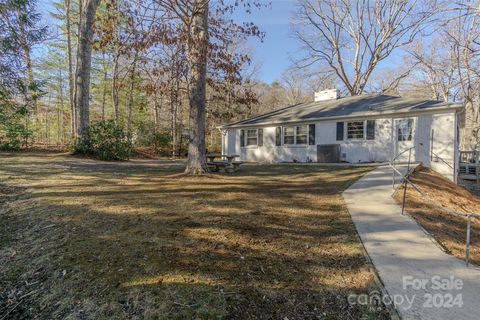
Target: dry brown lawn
x,y
81,239
449,230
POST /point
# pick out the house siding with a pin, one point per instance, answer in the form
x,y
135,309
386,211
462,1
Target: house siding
x,y
444,144
383,148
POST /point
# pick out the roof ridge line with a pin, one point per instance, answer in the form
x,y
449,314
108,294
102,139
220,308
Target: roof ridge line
x,y
264,114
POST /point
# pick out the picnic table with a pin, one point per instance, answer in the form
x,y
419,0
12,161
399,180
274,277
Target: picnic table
x,y
230,158
230,165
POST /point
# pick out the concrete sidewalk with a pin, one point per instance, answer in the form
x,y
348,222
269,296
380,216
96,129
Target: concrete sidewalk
x,y
404,255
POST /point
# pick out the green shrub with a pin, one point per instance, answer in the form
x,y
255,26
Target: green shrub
x,y
14,131
160,141
106,141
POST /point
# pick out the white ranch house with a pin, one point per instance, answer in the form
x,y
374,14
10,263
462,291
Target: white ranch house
x,y
366,128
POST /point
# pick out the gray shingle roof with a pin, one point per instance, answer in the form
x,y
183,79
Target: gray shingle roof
x,y
356,106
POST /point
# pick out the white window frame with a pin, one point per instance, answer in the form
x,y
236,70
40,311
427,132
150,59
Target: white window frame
x,y
411,121
283,135
306,135
295,131
246,138
364,134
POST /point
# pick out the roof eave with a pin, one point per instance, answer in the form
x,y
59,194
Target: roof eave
x,y
451,107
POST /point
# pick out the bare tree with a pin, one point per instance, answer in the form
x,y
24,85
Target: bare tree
x,y
71,86
197,27
130,101
296,84
463,33
84,57
353,37
197,60
436,66
27,56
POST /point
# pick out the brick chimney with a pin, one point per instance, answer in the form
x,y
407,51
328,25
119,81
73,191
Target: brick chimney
x,y
325,95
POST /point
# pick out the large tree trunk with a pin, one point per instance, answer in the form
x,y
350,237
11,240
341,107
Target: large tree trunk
x,y
174,95
197,59
104,94
131,95
116,111
156,112
173,127
60,110
116,58
84,61
71,85
31,95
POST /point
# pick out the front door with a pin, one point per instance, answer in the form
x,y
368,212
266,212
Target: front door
x,y
403,135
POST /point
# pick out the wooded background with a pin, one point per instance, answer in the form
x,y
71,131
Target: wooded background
x,y
146,64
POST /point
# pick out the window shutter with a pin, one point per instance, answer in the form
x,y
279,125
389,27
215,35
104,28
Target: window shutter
x,y
311,134
242,138
340,131
370,129
278,136
260,137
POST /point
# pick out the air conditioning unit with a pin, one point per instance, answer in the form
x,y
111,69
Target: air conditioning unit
x,y
328,153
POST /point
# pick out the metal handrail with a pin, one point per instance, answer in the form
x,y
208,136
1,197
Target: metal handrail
x,y
468,215
392,164
443,160
404,151
406,178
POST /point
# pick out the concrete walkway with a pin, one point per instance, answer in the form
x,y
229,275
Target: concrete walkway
x,y
403,254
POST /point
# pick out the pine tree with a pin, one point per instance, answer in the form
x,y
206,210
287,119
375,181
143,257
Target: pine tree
x,y
18,93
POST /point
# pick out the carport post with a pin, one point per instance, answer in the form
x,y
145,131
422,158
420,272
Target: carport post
x,y
467,249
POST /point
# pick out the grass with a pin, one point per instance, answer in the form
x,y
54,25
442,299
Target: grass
x,y
84,239
449,230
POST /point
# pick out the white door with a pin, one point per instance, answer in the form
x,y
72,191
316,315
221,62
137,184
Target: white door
x,y
404,135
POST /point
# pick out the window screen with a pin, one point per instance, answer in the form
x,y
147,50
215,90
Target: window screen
x,y
302,135
289,135
404,129
252,137
355,130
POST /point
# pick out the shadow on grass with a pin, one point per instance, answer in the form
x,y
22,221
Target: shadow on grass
x,y
144,243
448,229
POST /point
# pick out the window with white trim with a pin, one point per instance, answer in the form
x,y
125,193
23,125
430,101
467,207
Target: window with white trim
x,y
302,135
295,135
252,137
355,130
404,129
289,135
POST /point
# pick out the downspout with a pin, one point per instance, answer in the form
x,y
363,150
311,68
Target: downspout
x,y
456,150
223,132
392,139
223,142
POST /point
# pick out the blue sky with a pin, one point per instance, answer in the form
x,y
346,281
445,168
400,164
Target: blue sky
x,y
275,51
278,46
